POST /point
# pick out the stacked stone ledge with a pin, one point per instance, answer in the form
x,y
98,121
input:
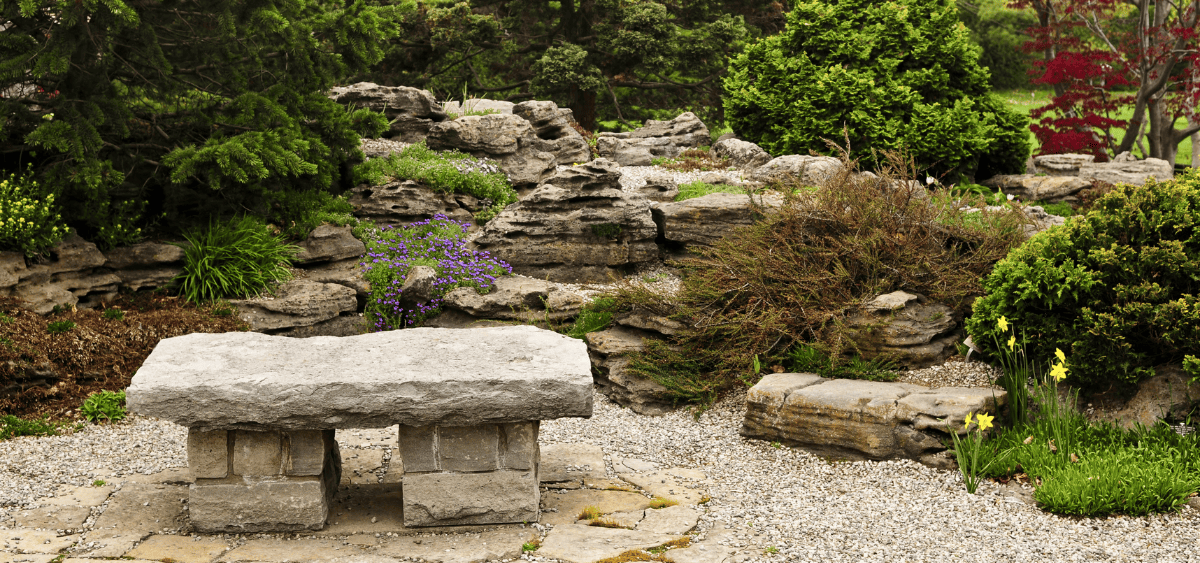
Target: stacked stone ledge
x,y
261,412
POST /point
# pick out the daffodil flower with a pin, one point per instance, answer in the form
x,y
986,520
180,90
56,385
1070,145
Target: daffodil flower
x,y
985,421
967,421
1002,324
1012,341
1058,353
1058,372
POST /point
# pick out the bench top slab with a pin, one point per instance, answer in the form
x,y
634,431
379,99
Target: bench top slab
x,y
416,377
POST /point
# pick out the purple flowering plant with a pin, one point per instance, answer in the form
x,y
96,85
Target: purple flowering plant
x,y
439,243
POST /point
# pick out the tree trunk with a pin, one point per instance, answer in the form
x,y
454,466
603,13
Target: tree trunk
x,y
1194,121
583,105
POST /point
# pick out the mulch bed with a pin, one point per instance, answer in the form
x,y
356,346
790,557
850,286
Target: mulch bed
x,y
50,374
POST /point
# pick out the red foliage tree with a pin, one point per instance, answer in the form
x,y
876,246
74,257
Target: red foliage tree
x,y
1093,51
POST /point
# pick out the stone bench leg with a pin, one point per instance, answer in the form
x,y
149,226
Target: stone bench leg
x,y
270,481
456,475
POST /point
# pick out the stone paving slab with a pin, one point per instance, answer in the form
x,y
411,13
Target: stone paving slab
x,y
366,509
54,517
359,466
673,484
133,513
569,465
35,541
588,544
277,550
674,520
461,548
80,496
180,549
570,503
26,557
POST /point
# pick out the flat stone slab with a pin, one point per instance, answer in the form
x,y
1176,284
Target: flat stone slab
x,y
588,544
415,377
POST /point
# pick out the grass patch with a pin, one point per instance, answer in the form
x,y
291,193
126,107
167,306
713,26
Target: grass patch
x,y
12,426
595,316
659,502
447,172
807,358
1061,208
589,513
238,258
698,189
608,523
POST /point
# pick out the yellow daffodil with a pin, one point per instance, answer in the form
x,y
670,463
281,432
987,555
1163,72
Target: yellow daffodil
x,y
1012,341
1058,353
984,421
967,420
1002,324
1058,372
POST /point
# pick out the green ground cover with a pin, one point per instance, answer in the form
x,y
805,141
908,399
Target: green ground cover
x,y
1025,100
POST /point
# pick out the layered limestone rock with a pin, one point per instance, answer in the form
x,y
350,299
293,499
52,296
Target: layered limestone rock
x,y
577,227
807,170
410,111
1060,164
905,328
861,419
553,124
71,276
656,139
146,265
1029,187
401,202
610,352
512,298
1125,169
704,220
508,139
297,303
742,155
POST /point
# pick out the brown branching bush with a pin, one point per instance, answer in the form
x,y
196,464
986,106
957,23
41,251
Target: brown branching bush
x,y
793,276
696,160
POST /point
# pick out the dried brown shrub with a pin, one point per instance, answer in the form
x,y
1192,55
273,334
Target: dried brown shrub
x,y
793,276
696,160
50,374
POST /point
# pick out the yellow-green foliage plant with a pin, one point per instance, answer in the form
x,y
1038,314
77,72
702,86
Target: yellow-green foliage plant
x,y
1117,289
28,220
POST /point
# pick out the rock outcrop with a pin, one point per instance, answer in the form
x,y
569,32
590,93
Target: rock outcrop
x,y
905,328
659,187
808,170
553,125
1029,187
410,111
577,227
609,350
657,139
512,298
1170,395
477,104
146,265
328,243
741,154
1060,164
508,139
401,202
297,303
704,220
71,276
862,419
1124,169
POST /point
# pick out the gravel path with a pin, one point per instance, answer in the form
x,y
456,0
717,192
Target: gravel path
x,y
806,507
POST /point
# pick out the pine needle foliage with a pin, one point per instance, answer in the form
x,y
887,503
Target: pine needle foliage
x,y
179,101
792,277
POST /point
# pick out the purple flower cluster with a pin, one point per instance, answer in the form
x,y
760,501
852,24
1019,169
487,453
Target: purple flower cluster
x,y
439,243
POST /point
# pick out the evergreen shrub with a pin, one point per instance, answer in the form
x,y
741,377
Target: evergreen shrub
x,y
1115,289
884,76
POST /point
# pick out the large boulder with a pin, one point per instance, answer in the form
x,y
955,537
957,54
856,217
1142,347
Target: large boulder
x,y
742,155
511,298
1060,164
577,227
861,419
553,124
508,139
410,111
71,276
1170,395
296,303
657,139
145,265
1124,169
1030,187
328,243
905,328
401,202
808,170
704,220
609,351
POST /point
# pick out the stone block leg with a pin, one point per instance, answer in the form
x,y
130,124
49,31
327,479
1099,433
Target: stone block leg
x,y
457,475
269,481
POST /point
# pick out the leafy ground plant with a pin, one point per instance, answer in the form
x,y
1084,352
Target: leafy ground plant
x,y
12,426
28,220
698,189
236,259
447,171
805,358
107,405
392,252
595,315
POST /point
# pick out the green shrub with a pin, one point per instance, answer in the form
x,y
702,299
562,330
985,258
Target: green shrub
x,y
59,327
113,314
594,316
447,171
1010,146
232,259
1115,289
887,75
698,189
28,221
1061,208
104,404
297,213
12,426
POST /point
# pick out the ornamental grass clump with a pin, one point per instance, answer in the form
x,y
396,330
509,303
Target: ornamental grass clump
x,y
792,277
28,221
232,259
445,171
439,243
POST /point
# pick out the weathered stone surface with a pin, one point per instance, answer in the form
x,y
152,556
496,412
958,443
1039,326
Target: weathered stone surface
x,y
608,350
133,513
704,220
348,272
180,549
447,499
1124,169
657,139
401,202
674,520
410,111
905,328
562,463
147,278
861,419
517,298
418,288
416,377
1035,221
496,545
659,187
741,154
508,139
1170,394
36,541
578,227
70,276
53,517
564,507
328,243
648,321
144,255
361,466
1029,187
304,549
554,125
296,303
807,170
1060,164
588,544
346,324
676,484
477,104
208,454
299,503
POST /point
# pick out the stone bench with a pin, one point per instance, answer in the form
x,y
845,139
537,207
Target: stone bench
x,y
261,413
